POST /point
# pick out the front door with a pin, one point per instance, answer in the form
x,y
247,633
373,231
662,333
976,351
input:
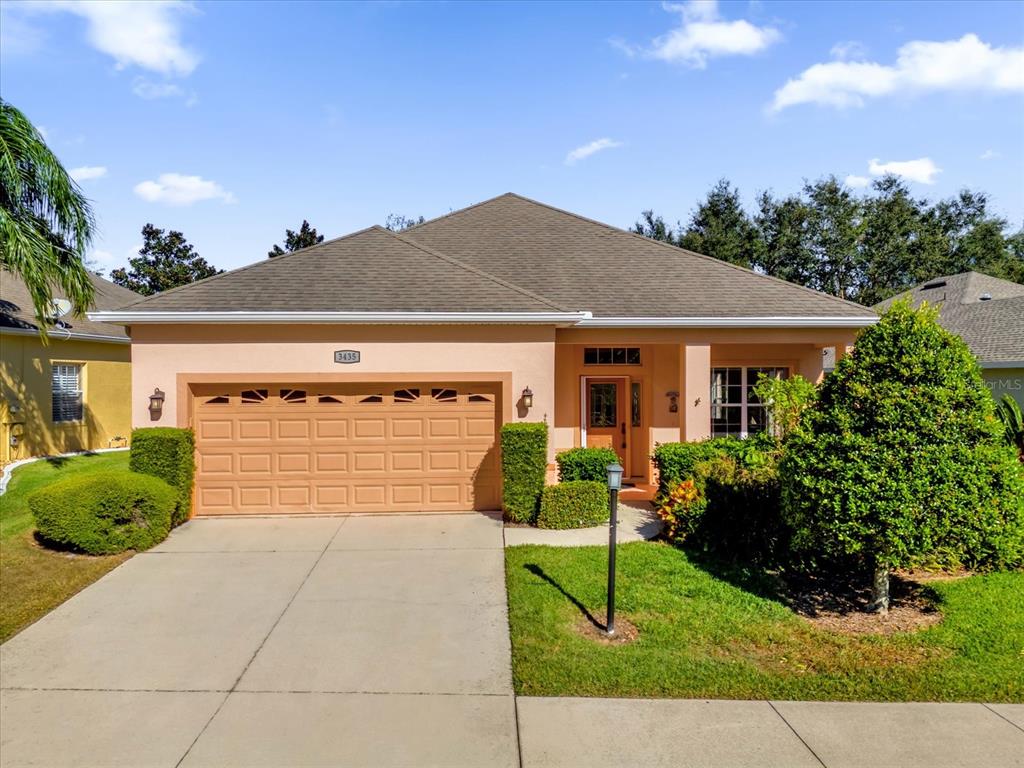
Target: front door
x,y
606,416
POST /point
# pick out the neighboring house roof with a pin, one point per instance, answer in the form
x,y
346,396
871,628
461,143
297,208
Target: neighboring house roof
x,y
17,313
505,255
987,312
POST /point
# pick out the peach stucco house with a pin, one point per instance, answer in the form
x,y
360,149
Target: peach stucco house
x,y
371,372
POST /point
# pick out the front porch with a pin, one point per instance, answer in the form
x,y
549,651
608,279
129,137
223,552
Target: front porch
x,y
632,389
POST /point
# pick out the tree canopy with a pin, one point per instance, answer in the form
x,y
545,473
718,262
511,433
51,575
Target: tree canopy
x,y
166,260
396,222
293,241
45,221
863,247
901,461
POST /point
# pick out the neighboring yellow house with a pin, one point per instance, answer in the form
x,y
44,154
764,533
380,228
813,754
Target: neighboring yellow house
x,y
71,394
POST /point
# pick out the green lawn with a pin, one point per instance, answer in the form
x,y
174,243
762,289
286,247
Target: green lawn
x,y
706,636
35,580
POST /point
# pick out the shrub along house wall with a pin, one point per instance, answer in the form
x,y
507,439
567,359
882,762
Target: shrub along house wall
x,y
524,454
167,453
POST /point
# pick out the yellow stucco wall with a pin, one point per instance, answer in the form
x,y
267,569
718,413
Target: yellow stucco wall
x,y
25,402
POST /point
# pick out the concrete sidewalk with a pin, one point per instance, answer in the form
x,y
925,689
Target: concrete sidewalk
x,y
564,732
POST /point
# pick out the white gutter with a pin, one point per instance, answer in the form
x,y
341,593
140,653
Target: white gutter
x,y
63,334
727,322
127,317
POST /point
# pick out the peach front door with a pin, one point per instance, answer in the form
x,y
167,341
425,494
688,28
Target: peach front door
x,y
345,448
606,415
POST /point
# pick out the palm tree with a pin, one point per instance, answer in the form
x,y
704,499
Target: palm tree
x,y
45,221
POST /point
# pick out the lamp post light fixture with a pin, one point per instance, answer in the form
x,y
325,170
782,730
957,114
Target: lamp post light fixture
x,y
527,398
156,404
614,486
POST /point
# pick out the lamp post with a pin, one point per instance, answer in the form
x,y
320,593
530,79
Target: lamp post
x,y
614,484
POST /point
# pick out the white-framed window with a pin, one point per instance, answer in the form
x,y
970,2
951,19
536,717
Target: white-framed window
x,y
67,392
735,409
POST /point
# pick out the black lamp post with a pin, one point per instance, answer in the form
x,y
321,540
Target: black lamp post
x,y
614,485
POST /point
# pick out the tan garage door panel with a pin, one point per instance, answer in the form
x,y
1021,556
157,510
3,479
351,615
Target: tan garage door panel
x,y
347,448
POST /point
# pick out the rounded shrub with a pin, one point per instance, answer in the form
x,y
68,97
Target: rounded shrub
x,y
901,459
678,461
573,504
585,464
104,513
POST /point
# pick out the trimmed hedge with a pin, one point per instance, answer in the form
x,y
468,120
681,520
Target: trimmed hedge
x,y
104,513
524,465
167,453
678,461
585,464
573,504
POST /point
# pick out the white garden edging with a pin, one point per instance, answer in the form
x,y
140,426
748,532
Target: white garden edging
x,y
9,469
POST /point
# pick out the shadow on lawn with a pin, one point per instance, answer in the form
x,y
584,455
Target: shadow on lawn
x,y
540,573
57,462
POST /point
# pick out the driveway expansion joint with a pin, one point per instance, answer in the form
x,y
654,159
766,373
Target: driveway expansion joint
x,y
796,733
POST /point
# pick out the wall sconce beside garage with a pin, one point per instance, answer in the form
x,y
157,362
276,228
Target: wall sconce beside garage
x,y
156,404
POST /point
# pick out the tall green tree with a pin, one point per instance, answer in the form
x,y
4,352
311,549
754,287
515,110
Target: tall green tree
x,y
166,260
900,459
293,241
45,221
720,227
655,228
781,246
834,230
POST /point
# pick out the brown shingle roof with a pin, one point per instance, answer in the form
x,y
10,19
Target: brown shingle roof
x,y
481,258
993,328
16,311
592,266
373,270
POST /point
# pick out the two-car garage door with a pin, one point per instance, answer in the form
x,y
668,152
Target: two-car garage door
x,y
305,448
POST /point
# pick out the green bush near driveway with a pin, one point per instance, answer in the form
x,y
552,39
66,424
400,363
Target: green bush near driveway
x,y
167,453
573,504
585,464
524,465
106,513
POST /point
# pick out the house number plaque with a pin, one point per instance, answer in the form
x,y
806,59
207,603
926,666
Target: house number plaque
x,y
346,356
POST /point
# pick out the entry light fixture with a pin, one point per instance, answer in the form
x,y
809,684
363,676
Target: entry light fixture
x,y
156,404
527,398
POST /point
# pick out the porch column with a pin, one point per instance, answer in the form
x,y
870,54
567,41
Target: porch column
x,y
694,392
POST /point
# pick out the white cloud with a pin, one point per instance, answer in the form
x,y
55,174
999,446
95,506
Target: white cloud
x,y
147,89
966,64
849,50
702,34
177,189
87,172
104,259
922,170
598,145
988,154
145,34
856,182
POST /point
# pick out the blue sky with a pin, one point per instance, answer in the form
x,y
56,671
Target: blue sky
x,y
232,121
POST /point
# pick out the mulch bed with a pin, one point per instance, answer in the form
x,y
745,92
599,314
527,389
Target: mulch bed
x,y
840,603
592,628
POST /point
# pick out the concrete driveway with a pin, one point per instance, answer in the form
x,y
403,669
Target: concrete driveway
x,y
376,640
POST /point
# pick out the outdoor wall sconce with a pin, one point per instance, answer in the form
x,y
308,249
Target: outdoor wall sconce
x,y
527,398
156,404
673,401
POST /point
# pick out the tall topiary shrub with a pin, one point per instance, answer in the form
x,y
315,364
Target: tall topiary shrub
x,y
901,458
167,453
585,464
524,464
